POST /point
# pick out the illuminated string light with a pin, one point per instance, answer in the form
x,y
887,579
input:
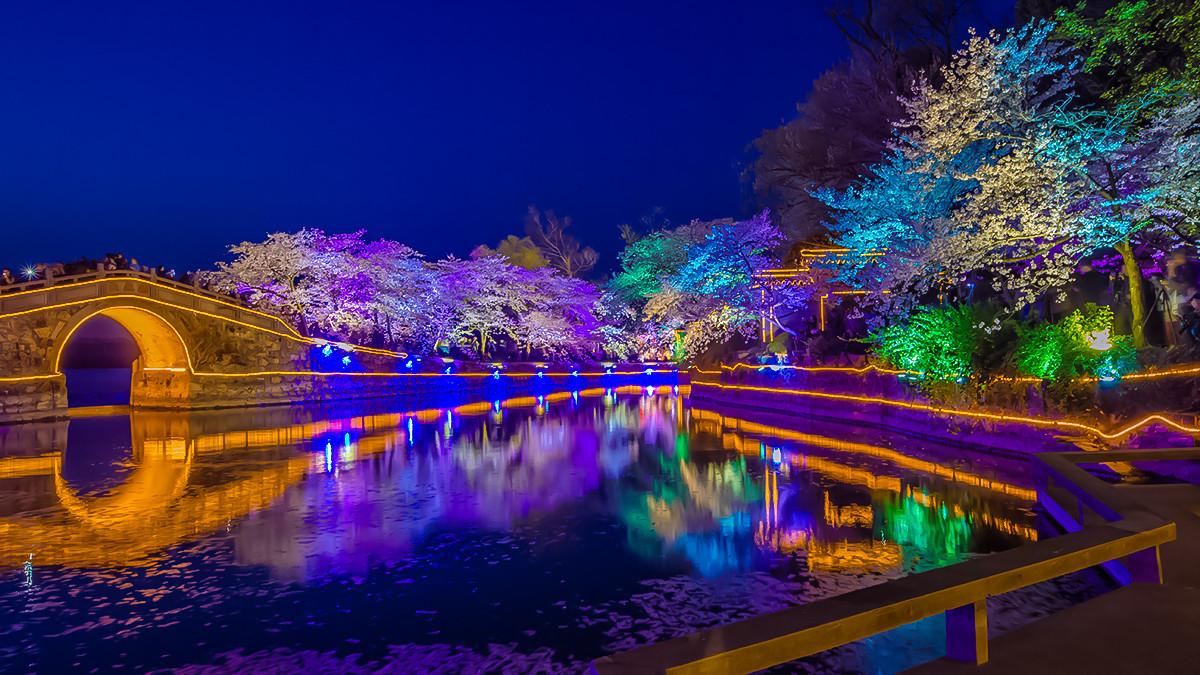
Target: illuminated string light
x,y
1177,371
839,445
1018,419
292,334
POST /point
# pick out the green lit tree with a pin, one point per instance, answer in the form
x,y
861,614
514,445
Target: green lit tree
x,y
1138,47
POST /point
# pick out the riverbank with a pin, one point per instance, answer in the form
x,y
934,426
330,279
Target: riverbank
x,y
883,399
408,378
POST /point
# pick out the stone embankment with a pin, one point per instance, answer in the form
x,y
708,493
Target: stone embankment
x,y
1013,421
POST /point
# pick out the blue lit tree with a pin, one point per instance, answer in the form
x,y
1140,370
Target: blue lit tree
x,y
998,169
716,293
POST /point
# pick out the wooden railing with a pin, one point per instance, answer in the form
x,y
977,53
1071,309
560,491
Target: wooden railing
x,y
958,591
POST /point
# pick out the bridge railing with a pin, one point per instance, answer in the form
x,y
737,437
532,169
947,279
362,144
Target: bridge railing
x,y
51,281
81,287
958,591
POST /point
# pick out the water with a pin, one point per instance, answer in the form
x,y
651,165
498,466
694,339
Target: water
x,y
529,535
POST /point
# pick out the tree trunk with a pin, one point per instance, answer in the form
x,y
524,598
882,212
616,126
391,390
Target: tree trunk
x,y
1134,274
779,324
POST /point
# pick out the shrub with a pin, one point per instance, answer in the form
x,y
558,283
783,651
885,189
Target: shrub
x,y
937,341
1081,344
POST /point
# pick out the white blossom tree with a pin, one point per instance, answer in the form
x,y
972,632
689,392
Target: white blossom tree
x,y
289,274
998,169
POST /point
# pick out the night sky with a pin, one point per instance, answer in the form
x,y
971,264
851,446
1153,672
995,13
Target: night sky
x,y
167,132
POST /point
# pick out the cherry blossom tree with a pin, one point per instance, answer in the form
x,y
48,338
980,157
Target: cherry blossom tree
x,y
1174,168
707,277
289,274
400,298
1000,170
485,299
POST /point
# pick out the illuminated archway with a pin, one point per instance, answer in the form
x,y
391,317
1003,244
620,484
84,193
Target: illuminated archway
x,y
161,374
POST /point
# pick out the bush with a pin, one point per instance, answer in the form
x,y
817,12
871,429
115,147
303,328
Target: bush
x,y
1081,344
937,341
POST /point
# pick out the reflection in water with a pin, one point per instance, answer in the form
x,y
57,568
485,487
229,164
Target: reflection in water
x,y
532,532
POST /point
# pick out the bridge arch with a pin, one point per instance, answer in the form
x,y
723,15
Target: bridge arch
x,y
162,372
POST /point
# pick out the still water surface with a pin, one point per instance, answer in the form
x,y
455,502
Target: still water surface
x,y
529,535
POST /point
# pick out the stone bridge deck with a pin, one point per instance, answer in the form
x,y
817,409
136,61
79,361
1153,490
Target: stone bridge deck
x,y
148,287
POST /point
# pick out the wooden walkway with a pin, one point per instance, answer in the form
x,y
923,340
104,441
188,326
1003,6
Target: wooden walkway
x,y
1152,624
1140,628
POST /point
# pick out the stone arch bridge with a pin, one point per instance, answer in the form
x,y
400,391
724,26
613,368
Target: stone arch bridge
x,y
197,349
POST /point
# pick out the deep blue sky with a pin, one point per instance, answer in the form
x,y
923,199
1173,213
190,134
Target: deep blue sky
x,y
169,130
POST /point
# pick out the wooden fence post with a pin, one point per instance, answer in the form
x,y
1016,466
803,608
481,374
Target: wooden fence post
x,y
967,634
1144,566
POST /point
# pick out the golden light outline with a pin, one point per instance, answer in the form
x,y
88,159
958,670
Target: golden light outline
x,y
293,334
1185,369
959,413
887,454
67,338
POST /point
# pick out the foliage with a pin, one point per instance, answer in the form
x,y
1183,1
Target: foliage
x,y
1138,47
1173,168
844,127
937,341
646,262
841,131
701,280
344,287
1043,352
519,252
1081,344
999,171
291,274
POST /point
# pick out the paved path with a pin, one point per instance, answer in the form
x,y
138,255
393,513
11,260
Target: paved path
x,y
1141,628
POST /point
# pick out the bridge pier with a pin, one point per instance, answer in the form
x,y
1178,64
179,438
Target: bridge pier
x,y
158,388
31,399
